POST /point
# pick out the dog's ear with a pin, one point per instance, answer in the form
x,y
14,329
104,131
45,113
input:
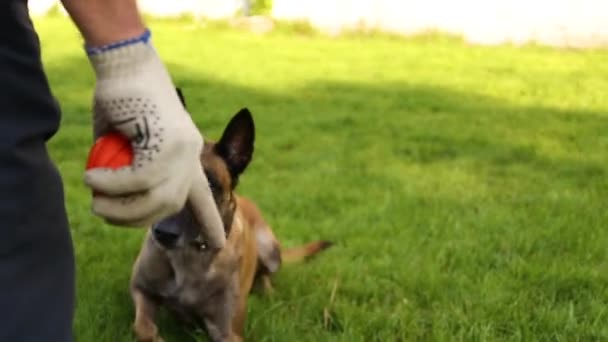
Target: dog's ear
x,y
181,96
236,144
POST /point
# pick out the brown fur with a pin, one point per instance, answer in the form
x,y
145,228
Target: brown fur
x,y
204,286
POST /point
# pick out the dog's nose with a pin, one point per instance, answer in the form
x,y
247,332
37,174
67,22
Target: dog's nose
x,y
165,237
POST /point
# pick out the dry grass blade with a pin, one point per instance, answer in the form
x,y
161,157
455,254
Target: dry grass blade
x,y
327,316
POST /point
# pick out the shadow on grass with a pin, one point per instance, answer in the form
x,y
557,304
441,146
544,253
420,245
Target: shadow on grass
x,y
326,137
412,123
415,123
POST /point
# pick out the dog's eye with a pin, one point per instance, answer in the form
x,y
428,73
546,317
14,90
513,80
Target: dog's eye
x,y
199,243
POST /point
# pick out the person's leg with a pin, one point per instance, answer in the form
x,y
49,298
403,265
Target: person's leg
x,y
37,287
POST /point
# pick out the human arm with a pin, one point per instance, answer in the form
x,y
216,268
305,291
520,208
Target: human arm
x,y
102,22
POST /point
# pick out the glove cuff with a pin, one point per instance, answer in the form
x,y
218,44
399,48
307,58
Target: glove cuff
x,y
96,50
124,58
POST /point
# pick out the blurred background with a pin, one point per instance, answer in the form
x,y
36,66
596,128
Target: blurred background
x,y
554,22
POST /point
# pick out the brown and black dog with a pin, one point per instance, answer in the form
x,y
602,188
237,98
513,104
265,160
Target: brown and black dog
x,y
175,268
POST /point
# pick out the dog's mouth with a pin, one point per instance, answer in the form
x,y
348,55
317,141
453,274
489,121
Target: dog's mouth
x,y
179,229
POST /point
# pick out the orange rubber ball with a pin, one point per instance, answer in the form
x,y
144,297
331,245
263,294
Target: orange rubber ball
x,y
112,150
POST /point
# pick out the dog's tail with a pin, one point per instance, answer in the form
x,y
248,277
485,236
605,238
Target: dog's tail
x,y
296,254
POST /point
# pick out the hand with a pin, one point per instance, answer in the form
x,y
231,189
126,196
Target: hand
x,y
134,95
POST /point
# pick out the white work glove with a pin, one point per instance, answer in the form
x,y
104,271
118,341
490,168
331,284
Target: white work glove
x,y
135,95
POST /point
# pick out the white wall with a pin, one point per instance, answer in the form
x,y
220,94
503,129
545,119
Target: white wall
x,y
554,22
40,7
206,8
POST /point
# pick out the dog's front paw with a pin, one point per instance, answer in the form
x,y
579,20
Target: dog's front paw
x,y
147,333
151,339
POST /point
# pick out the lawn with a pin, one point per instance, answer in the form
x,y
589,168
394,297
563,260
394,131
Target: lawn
x,y
465,187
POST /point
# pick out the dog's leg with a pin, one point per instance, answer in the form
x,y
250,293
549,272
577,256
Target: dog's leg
x,y
219,333
218,317
267,284
220,330
263,283
144,327
238,323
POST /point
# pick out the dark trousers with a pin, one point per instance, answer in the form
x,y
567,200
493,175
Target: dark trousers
x,y
36,256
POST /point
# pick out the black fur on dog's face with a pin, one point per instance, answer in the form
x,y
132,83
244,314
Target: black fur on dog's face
x,y
223,162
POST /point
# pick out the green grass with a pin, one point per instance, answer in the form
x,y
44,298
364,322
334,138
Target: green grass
x,y
465,187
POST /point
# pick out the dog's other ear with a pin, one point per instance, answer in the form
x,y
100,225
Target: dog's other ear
x,y
236,144
181,96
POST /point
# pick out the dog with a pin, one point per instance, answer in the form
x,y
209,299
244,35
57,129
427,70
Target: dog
x,y
209,288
